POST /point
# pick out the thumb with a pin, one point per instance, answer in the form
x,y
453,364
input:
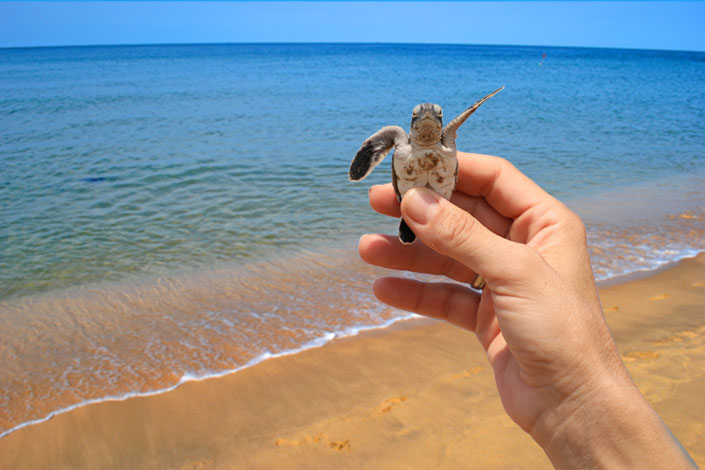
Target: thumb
x,y
453,232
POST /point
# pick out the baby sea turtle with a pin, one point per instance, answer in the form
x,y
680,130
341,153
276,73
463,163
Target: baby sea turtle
x,y
426,157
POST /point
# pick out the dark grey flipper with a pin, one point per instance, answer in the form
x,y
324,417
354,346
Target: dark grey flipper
x,y
406,235
450,131
374,150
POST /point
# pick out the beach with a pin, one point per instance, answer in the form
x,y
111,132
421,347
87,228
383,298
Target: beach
x,y
417,395
179,277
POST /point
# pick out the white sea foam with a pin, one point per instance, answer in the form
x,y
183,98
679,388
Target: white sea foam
x,y
645,265
658,258
191,377
661,258
664,257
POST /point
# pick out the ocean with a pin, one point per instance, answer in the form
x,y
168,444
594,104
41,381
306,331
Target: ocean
x,y
171,213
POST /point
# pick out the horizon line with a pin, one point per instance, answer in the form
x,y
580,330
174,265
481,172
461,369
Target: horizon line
x,y
58,46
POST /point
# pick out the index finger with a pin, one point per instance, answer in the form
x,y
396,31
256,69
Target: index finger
x,y
507,189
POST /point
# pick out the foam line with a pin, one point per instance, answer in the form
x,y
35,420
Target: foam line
x,y
188,377
654,265
315,343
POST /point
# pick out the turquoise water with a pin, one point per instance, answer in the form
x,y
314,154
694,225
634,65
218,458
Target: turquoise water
x,y
124,161
180,211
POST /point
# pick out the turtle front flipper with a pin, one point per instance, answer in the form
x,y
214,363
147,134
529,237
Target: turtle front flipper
x,y
374,150
406,235
450,131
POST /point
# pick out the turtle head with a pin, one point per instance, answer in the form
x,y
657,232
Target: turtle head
x,y
426,124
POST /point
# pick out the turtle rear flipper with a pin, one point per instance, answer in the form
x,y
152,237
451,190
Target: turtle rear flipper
x,y
406,235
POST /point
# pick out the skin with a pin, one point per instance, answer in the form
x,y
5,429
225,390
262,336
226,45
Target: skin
x,y
557,369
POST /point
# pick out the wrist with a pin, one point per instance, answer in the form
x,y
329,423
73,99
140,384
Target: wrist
x,y
608,424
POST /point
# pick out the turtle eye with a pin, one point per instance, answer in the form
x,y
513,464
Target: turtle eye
x,y
416,110
437,110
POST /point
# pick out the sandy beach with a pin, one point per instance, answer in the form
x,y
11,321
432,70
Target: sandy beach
x,y
417,395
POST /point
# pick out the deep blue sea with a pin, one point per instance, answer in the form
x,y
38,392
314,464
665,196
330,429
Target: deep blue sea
x,y
174,212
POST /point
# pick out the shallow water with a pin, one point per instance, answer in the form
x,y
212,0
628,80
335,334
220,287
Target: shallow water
x,y
126,161
170,212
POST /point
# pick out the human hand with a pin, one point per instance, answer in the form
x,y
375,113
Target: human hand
x,y
557,369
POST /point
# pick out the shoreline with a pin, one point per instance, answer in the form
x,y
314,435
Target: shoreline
x,y
315,343
189,378
295,376
646,273
319,342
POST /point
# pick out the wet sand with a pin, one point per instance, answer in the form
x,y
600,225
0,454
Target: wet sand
x,y
416,396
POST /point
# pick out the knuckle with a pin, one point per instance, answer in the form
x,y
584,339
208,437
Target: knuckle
x,y
456,270
504,165
575,225
448,267
570,223
458,229
446,307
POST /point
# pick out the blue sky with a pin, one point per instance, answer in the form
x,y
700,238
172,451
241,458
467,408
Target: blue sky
x,y
649,25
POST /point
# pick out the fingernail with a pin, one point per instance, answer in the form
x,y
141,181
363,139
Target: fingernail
x,y
420,204
363,237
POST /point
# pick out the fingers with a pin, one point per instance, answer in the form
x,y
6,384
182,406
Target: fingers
x,y
445,301
453,303
388,252
455,233
384,200
490,188
507,190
